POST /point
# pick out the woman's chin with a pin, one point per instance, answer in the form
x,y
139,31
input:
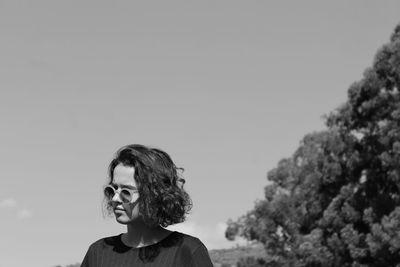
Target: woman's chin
x,y
125,219
122,219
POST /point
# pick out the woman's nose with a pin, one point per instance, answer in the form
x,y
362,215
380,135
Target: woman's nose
x,y
116,197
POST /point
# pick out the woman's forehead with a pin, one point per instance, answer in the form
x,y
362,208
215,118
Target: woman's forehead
x,y
123,175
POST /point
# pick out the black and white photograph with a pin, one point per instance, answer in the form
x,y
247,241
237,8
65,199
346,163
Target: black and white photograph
x,y
215,133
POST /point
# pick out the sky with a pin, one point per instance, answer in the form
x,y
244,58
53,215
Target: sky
x,y
227,88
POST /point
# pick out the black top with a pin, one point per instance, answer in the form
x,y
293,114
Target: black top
x,y
176,250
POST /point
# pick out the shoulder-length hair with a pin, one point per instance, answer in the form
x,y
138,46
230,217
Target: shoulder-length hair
x,y
162,199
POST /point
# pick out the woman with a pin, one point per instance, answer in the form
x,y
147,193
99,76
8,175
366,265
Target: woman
x,y
146,194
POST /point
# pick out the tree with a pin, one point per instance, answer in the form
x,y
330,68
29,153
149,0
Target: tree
x,y
250,262
335,201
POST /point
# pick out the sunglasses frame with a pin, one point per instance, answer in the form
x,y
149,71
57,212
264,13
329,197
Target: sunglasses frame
x,y
121,196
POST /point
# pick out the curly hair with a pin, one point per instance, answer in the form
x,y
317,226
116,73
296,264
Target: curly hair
x,y
162,199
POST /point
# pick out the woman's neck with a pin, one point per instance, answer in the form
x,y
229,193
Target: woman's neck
x,y
140,235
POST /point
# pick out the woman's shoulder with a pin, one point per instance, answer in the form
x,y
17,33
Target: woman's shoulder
x,y
187,241
109,241
192,251
175,239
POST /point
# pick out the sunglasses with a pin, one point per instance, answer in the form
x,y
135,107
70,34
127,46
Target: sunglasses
x,y
126,195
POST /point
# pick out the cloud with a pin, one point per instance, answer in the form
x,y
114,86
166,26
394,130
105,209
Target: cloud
x,y
12,204
24,213
213,236
8,203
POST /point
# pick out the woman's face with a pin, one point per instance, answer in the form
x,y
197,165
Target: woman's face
x,y
123,179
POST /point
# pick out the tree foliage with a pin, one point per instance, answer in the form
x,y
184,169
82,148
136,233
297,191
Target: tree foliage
x,y
335,201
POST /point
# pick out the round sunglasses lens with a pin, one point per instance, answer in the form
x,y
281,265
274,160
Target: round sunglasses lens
x,y
126,196
109,192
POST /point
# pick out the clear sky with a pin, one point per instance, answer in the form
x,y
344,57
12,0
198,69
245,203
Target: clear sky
x,y
227,88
